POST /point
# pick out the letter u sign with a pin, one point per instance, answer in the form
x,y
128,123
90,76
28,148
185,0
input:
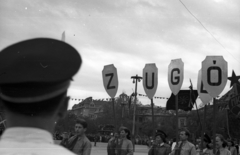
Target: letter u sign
x,y
150,79
175,75
214,74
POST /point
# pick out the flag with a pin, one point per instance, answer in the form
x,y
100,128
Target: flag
x,y
183,100
191,102
63,36
130,100
234,105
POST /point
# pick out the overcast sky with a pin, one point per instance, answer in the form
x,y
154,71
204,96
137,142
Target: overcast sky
x,y
129,34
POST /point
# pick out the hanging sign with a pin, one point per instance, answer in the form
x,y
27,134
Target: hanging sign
x,y
203,94
214,74
150,79
175,75
110,80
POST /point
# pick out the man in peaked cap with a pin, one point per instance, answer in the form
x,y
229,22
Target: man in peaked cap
x,y
34,77
162,134
160,147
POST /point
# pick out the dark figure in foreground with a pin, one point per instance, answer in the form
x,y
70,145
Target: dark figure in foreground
x,y
78,143
34,77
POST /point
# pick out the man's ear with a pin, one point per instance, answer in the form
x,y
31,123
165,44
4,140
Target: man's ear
x,y
85,129
62,110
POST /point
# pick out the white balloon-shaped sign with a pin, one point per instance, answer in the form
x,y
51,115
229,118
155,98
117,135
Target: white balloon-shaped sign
x,y
110,80
175,75
203,94
214,74
150,79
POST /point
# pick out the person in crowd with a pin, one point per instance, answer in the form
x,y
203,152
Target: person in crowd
x,y
237,146
34,77
70,134
198,148
150,142
221,146
173,144
95,139
78,143
112,143
184,147
124,145
232,148
207,145
160,146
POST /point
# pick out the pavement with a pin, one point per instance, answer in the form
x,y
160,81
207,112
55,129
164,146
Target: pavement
x,y
101,149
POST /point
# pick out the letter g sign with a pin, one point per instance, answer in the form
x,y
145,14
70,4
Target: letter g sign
x,y
175,80
175,75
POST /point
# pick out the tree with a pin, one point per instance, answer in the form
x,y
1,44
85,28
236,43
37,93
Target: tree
x,y
67,123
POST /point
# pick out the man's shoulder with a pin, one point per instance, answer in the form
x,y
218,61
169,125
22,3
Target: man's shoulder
x,y
17,148
190,144
62,150
86,140
128,141
226,150
72,138
111,139
166,145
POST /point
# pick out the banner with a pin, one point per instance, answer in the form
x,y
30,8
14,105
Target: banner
x,y
183,100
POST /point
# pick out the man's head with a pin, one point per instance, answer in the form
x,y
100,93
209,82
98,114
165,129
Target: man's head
x,y
184,134
116,134
80,127
160,136
220,141
207,141
236,142
34,77
45,108
125,133
230,143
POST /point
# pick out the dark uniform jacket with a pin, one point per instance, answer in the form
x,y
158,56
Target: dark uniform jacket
x,y
160,149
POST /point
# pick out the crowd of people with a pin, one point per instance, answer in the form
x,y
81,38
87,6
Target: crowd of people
x,y
120,143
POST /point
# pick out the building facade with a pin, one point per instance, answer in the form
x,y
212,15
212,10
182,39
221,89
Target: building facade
x,y
89,108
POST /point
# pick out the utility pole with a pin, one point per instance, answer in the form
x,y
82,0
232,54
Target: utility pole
x,y
136,79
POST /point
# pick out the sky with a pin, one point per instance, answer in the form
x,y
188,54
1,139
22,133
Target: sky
x,y
129,34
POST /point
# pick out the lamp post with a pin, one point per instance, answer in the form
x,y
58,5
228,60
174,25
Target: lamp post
x,y
123,102
136,79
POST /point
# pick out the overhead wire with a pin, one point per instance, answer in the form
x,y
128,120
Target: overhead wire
x,y
207,30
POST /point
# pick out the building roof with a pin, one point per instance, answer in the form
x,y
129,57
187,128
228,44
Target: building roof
x,y
88,101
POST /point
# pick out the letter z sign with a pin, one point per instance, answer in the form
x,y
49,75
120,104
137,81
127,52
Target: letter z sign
x,y
175,75
110,80
214,74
